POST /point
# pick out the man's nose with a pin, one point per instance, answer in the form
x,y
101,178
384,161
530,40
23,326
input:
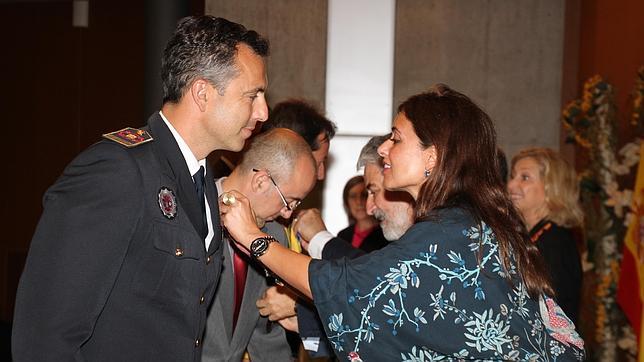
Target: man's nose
x,y
286,213
260,111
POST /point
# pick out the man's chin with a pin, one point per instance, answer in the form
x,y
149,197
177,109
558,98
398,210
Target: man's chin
x,y
238,146
391,233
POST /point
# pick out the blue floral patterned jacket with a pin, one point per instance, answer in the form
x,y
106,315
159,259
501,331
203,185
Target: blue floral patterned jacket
x,y
427,297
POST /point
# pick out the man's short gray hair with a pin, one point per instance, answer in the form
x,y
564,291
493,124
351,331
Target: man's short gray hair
x,y
369,153
277,151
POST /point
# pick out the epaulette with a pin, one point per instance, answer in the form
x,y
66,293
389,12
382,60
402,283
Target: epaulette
x,y
129,137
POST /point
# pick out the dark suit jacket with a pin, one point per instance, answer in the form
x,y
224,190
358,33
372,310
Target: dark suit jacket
x,y
374,241
108,277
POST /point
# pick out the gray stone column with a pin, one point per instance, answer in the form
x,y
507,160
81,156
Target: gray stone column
x,y
161,18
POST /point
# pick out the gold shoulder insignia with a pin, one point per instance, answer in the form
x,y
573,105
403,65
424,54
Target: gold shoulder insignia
x,y
129,137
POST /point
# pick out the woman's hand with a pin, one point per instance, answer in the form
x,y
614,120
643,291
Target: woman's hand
x,y
238,218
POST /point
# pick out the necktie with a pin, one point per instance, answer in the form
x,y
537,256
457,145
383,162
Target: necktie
x,y
239,270
199,179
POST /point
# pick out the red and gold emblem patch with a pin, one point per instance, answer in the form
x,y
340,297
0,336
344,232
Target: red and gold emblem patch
x,y
129,137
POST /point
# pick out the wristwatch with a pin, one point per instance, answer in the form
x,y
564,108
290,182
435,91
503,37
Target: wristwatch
x,y
259,246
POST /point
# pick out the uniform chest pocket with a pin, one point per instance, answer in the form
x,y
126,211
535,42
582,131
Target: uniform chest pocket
x,y
171,271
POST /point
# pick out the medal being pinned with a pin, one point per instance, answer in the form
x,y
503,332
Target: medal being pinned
x,y
228,198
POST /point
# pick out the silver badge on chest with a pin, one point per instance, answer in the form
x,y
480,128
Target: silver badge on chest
x,y
167,202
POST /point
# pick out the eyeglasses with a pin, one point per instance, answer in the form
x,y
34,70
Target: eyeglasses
x,y
289,206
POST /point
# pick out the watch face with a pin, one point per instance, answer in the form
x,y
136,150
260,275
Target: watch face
x,y
259,246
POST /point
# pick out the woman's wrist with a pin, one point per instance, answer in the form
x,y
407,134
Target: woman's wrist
x,y
254,236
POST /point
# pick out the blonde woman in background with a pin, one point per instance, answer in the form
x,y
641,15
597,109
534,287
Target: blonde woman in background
x,y
544,188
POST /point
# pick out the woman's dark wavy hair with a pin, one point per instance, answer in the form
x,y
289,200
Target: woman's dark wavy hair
x,y
467,175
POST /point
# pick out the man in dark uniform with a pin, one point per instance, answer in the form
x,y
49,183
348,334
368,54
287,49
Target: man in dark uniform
x,y
127,254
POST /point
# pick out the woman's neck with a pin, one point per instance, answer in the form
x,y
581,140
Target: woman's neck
x,y
532,218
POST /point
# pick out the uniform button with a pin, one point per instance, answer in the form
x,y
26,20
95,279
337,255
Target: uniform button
x,y
208,259
202,299
178,252
197,343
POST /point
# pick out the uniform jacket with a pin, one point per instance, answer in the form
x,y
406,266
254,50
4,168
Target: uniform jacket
x,y
265,340
108,276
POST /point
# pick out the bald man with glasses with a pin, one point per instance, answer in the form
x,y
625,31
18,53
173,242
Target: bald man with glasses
x,y
276,172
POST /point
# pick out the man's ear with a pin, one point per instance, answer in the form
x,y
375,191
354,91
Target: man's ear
x,y
199,92
431,157
260,181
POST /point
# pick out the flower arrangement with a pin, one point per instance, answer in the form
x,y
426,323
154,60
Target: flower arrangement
x,y
591,123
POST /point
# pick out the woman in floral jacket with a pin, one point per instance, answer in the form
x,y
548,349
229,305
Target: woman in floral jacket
x,y
463,283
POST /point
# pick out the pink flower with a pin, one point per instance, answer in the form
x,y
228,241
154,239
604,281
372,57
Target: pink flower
x,y
354,357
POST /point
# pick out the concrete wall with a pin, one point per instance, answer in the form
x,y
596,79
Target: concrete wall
x,y
297,33
506,55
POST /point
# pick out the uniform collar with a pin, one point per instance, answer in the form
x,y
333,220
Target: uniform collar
x,y
191,161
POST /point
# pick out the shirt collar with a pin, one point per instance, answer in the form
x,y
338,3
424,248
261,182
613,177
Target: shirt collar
x,y
191,160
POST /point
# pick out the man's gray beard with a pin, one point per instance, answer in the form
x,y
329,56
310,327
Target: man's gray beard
x,y
392,228
392,233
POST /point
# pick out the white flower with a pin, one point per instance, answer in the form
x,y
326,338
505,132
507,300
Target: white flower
x,y
611,187
628,341
620,169
631,153
618,200
607,156
556,349
608,244
629,218
487,332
